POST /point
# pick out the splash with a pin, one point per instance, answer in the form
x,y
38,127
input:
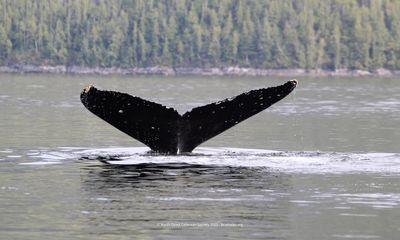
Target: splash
x,y
307,162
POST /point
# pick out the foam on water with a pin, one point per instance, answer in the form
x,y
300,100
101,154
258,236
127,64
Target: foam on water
x,y
283,161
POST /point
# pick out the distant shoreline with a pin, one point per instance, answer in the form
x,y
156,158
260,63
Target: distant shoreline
x,y
169,71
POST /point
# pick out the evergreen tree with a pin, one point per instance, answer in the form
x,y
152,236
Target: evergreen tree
x,y
227,41
306,34
380,38
213,51
141,49
5,45
59,48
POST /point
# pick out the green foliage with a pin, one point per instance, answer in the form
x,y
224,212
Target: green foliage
x,y
309,34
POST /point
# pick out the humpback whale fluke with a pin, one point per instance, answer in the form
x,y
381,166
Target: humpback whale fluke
x,y
164,130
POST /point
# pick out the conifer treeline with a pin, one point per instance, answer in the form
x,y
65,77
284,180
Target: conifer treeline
x,y
310,34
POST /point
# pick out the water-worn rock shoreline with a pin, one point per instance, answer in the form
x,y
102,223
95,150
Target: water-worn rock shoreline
x,y
167,71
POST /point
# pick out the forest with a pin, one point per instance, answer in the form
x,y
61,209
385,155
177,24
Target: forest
x,y
268,34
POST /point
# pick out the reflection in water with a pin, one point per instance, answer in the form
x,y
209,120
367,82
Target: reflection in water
x,y
157,171
181,197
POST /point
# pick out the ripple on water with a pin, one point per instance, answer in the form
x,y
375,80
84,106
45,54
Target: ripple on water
x,y
356,236
338,107
375,200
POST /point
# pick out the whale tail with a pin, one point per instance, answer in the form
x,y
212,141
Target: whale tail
x,y
164,130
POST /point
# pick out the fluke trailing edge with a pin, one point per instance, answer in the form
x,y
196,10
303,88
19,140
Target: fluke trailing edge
x,y
164,130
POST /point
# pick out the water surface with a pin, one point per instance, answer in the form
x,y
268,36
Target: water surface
x,y
321,164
